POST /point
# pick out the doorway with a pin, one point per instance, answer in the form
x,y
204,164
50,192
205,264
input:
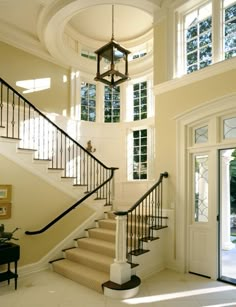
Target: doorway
x,y
227,217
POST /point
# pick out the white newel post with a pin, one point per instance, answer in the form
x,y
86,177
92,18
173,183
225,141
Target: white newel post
x,y
120,271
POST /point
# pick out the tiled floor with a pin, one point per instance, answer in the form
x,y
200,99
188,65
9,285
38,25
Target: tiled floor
x,y
165,289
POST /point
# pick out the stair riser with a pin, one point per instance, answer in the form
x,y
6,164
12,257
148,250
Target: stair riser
x,y
107,224
92,247
92,263
102,236
81,279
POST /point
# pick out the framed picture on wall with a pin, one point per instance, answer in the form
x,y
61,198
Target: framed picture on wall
x,y
5,193
5,211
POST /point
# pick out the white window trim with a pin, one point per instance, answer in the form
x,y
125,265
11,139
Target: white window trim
x,y
150,153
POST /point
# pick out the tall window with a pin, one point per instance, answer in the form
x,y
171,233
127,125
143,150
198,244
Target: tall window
x,y
140,154
140,100
88,102
229,28
111,104
198,38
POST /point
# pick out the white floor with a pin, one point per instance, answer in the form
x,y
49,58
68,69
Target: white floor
x,y
165,289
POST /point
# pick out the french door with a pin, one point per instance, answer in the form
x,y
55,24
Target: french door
x,y
227,217
202,215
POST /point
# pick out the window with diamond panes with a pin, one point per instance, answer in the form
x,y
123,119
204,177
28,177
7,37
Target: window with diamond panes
x,y
198,38
140,154
201,135
88,102
140,100
201,188
111,104
229,128
229,28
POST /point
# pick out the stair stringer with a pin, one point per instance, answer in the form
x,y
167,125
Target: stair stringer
x,y
9,149
67,242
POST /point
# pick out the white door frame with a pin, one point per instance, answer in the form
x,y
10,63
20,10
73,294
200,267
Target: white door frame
x,y
211,110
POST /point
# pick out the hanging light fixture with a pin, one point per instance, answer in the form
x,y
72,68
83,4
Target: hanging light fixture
x,y
110,58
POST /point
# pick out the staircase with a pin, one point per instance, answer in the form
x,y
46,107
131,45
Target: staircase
x,y
88,263
120,239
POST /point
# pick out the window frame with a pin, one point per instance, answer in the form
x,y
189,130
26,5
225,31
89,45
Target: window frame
x,y
178,15
89,107
112,108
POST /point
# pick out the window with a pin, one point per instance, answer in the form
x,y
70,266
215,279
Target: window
x,y
88,54
138,54
206,34
229,29
111,104
198,38
140,154
229,128
201,135
201,188
140,100
88,102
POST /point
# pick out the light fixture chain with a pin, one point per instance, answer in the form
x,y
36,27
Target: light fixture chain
x,y
112,22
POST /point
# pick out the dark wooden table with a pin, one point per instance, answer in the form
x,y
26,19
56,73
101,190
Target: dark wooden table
x,y
9,252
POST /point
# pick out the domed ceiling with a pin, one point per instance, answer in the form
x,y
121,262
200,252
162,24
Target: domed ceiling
x,y
40,26
96,22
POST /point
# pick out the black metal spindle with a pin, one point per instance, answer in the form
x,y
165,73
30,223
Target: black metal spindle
x,y
7,122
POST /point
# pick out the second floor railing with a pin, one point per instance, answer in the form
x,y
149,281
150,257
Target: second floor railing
x,y
21,120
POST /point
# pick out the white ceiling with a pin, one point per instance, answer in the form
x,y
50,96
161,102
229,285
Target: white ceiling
x,y
96,22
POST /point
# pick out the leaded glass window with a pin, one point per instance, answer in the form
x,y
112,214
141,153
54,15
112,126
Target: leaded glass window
x,y
201,135
140,154
88,102
198,38
229,29
201,188
140,100
111,104
229,128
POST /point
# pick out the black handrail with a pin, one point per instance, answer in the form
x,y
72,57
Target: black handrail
x,y
35,131
46,118
59,217
143,218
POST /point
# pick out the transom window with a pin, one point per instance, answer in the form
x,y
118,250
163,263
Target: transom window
x,y
111,104
88,102
229,128
201,135
140,100
198,38
140,154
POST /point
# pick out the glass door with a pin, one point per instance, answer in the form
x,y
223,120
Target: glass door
x,y
227,218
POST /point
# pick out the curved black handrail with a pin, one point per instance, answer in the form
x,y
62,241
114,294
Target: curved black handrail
x,y
51,122
59,217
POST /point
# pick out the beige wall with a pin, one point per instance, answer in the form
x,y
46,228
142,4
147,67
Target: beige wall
x,y
17,65
175,102
34,204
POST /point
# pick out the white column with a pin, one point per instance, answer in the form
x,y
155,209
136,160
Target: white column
x,y
225,201
120,271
